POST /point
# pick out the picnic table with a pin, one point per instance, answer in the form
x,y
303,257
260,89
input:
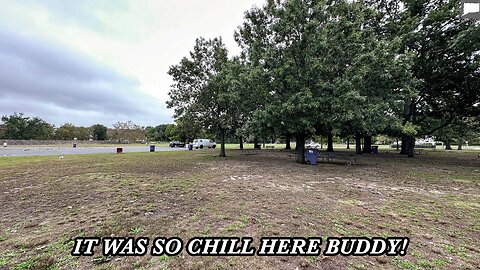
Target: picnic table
x,y
420,151
249,152
333,157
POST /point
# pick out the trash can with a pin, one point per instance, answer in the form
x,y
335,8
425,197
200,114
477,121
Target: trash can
x,y
119,150
190,146
374,149
152,148
311,156
74,145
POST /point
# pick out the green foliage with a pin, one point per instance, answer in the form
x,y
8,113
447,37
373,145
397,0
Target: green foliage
x,y
127,131
69,132
159,133
171,132
99,132
203,88
459,131
326,68
410,129
136,230
28,264
363,68
188,128
19,127
446,63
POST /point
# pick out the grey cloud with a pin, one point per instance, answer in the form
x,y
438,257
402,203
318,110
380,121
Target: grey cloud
x,y
83,13
35,71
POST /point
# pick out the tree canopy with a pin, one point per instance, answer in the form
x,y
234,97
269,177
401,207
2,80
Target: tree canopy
x,y
350,68
20,127
203,88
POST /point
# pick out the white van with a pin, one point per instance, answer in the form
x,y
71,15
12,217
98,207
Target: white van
x,y
202,143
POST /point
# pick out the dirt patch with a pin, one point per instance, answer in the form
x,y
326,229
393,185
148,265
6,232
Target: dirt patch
x,y
46,202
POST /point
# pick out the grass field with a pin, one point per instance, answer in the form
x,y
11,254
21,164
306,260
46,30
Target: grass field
x,y
45,202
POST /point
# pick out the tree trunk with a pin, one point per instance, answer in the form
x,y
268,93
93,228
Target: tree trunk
x,y
460,144
300,149
222,141
358,144
410,146
348,143
241,142
367,144
330,143
403,151
397,145
287,144
448,146
321,142
255,142
408,116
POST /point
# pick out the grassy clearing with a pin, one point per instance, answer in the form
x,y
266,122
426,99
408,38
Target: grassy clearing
x,y
45,202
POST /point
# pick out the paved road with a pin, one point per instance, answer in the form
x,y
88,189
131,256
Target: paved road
x,y
59,151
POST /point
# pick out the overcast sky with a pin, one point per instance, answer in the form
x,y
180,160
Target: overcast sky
x,y
91,61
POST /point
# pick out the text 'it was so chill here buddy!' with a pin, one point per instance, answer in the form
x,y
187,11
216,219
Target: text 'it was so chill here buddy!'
x,y
234,246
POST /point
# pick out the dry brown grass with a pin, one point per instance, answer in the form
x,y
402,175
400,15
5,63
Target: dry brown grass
x,y
45,202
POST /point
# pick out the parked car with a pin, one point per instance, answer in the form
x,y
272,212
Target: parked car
x,y
394,145
177,144
202,143
425,144
312,144
418,144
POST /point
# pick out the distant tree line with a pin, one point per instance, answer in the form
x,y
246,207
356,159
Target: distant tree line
x,y
349,69
20,127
